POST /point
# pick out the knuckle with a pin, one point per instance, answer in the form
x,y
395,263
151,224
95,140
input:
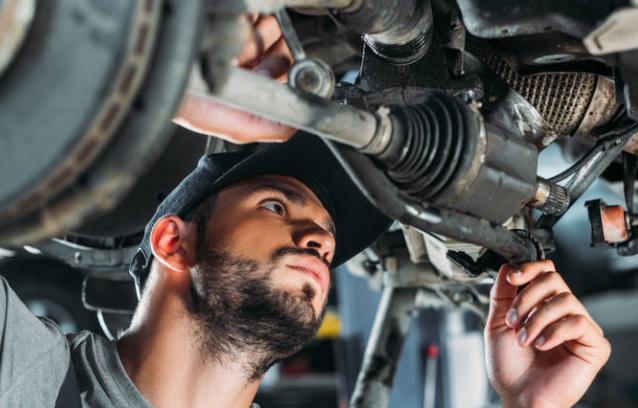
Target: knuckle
x,y
544,280
518,301
565,298
552,329
553,277
580,321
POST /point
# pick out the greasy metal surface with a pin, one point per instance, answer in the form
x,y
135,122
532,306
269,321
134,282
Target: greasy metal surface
x,y
489,184
307,74
550,198
602,108
140,140
543,51
382,353
500,18
130,216
110,109
561,99
313,76
505,108
543,190
15,19
290,35
87,257
265,97
589,172
407,39
386,196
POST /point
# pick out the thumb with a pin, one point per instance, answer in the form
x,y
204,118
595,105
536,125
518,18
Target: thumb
x,y
501,297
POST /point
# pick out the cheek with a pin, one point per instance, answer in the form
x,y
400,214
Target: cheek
x,y
253,237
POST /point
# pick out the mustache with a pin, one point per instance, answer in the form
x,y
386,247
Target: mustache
x,y
283,251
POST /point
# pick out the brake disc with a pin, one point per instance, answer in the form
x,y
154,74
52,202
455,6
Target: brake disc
x,y
85,108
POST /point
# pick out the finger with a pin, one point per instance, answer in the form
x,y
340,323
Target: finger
x,y
578,335
526,272
544,286
560,306
501,297
265,34
276,62
203,115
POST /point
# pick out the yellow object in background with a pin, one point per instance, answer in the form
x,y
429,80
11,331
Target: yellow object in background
x,y
329,328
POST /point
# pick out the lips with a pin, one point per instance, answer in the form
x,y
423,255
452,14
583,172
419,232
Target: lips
x,y
314,268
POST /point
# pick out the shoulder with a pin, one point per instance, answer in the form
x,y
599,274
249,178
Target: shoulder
x,y
101,375
34,353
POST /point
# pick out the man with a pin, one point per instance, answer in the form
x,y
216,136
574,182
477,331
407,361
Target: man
x,y
233,275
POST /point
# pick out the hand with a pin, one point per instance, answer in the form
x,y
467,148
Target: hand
x,y
542,347
267,54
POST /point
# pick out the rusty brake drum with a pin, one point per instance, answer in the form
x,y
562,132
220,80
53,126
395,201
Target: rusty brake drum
x,y
85,106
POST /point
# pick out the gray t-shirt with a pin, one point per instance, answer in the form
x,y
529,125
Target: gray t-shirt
x,y
35,356
34,360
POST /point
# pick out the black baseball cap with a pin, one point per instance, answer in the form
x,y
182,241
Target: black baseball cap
x,y
305,157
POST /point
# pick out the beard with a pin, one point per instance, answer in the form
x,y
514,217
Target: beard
x,y
238,312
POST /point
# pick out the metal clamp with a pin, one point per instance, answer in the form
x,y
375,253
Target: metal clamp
x,y
307,74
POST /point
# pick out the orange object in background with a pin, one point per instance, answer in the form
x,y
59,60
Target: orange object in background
x,y
614,223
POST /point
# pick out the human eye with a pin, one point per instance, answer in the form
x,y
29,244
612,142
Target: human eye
x,y
274,206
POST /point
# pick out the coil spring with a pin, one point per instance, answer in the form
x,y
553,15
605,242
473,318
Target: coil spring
x,y
435,135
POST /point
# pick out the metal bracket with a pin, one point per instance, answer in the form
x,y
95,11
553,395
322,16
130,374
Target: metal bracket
x,y
618,33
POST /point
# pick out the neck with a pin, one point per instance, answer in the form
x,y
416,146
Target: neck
x,y
161,356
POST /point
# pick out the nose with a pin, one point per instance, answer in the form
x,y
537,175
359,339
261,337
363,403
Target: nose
x,y
313,236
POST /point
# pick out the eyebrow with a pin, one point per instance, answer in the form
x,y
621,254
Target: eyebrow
x,y
293,196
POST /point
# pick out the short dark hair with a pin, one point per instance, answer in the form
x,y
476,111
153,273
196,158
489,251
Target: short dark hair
x,y
200,215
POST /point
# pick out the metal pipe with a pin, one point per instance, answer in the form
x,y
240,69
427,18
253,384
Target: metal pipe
x,y
267,98
290,35
399,31
381,357
270,6
589,172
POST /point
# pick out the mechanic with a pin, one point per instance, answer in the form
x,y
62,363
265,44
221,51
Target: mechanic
x,y
233,275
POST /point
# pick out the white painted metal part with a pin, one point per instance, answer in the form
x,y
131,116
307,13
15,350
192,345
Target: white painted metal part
x,y
619,32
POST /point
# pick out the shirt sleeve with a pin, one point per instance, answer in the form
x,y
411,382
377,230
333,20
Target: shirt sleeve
x,y
34,354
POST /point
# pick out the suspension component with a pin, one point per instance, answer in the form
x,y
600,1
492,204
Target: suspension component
x,y
441,152
400,32
307,74
609,224
433,137
550,198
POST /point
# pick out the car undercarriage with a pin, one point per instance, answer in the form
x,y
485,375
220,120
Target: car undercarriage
x,y
437,109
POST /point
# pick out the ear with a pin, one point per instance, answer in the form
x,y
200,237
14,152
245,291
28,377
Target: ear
x,y
173,242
